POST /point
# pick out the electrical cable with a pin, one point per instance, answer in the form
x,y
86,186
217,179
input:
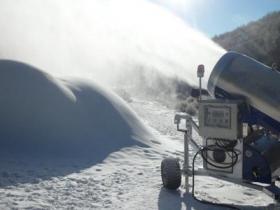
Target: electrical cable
x,y
229,146
226,165
200,151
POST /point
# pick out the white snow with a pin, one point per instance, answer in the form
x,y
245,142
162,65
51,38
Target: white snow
x,y
43,115
127,179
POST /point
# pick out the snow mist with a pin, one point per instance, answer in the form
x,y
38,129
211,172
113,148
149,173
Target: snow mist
x,y
120,43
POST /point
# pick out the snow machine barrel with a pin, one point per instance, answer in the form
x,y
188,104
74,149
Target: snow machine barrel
x,y
237,76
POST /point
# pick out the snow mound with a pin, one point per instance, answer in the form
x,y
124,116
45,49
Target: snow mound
x,y
42,115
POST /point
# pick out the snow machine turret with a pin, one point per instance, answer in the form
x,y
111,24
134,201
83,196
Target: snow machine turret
x,y
239,127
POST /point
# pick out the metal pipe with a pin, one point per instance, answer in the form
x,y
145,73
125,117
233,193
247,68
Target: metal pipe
x,y
200,89
186,160
200,74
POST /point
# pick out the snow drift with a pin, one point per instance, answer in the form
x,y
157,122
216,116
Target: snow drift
x,y
44,115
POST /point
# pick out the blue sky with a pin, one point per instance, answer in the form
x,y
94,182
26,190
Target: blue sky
x,y
214,17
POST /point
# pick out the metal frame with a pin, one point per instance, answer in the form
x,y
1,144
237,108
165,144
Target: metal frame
x,y
271,190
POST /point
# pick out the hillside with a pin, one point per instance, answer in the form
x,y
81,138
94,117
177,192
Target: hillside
x,y
259,39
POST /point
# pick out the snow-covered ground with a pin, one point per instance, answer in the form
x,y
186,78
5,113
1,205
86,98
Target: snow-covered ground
x,y
126,179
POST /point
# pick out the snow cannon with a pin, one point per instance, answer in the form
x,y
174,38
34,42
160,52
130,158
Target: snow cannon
x,y
239,129
237,76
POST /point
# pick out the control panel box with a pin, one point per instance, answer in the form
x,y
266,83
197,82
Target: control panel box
x,y
220,119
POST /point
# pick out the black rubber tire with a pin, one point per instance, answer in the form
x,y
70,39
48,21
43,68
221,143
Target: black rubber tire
x,y
171,173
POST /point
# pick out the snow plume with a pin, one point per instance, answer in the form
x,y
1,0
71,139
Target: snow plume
x,y
112,42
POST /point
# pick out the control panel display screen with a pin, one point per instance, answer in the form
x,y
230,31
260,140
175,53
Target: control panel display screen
x,y
217,116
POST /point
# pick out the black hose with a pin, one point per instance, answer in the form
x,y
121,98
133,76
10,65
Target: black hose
x,y
229,165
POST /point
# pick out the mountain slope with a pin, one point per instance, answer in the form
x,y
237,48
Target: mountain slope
x,y
259,39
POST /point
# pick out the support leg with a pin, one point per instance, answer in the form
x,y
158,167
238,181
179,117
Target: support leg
x,y
186,160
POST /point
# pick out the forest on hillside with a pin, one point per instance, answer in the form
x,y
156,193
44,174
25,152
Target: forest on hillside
x,y
259,39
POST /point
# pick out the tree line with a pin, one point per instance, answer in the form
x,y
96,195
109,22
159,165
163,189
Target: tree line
x,y
259,39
